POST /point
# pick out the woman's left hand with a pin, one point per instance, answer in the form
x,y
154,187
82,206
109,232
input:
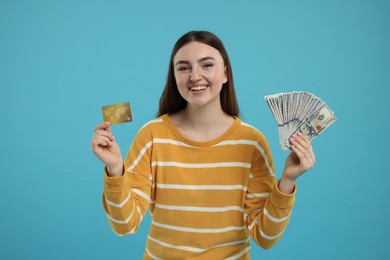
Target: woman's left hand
x,y
300,160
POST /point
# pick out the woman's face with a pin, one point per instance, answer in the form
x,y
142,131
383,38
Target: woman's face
x,y
200,73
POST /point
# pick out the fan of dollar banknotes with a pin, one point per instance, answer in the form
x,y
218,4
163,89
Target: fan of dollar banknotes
x,y
299,112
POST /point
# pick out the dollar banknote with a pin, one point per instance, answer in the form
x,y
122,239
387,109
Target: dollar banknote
x,y
299,112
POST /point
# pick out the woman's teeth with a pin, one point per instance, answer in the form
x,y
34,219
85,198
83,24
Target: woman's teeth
x,y
197,88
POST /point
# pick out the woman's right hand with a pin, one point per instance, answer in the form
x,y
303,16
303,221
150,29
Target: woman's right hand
x,y
105,148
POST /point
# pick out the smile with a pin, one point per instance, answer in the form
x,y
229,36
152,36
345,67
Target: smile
x,y
198,88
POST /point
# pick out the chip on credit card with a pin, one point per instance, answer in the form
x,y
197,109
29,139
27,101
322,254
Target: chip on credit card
x,y
117,113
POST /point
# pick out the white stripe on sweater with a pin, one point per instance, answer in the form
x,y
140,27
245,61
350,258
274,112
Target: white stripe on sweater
x,y
139,157
201,187
202,165
253,223
257,195
199,209
144,149
121,235
140,214
140,193
194,249
121,221
120,204
266,213
151,255
270,237
258,147
198,230
262,233
273,219
157,120
239,254
170,141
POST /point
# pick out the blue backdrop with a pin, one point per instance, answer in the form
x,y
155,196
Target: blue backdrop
x,y
60,61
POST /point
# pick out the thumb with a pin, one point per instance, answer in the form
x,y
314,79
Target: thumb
x,y
106,127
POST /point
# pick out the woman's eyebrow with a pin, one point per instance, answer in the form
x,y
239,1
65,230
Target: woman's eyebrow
x,y
206,58
182,62
200,60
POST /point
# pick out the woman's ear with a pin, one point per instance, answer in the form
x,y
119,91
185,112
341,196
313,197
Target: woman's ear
x,y
226,76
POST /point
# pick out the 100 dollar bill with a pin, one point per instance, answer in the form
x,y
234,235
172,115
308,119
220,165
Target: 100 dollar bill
x,y
314,125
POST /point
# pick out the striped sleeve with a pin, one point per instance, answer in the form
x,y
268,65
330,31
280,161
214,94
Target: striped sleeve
x,y
267,210
126,198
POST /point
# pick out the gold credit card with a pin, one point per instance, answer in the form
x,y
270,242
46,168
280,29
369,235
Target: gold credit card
x,y
118,113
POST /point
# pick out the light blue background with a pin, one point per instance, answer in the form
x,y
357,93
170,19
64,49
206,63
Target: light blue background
x,y
60,61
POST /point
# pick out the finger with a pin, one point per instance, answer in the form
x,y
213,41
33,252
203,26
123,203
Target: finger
x,y
304,161
307,144
101,141
102,125
104,129
106,141
304,154
300,153
302,140
105,126
105,133
307,150
299,144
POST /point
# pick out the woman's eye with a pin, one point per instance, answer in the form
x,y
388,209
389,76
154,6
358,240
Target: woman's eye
x,y
208,65
182,68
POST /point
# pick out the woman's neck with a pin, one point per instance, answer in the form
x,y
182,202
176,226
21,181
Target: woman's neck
x,y
204,117
201,123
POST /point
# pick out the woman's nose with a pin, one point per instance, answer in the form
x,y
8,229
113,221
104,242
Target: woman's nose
x,y
195,74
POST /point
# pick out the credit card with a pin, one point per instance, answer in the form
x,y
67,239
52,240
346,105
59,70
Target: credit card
x,y
117,113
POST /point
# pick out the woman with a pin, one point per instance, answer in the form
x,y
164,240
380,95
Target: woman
x,y
207,177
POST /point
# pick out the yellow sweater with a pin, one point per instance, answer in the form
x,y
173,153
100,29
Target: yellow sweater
x,y
206,198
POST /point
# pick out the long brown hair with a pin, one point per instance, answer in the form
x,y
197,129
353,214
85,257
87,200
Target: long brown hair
x,y
171,101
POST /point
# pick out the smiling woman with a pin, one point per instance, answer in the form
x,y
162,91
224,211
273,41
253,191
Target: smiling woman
x,y
171,100
206,176
200,74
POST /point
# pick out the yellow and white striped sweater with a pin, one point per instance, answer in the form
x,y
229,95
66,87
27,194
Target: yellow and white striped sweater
x,y
206,198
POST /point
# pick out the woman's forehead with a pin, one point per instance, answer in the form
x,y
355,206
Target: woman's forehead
x,y
195,51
